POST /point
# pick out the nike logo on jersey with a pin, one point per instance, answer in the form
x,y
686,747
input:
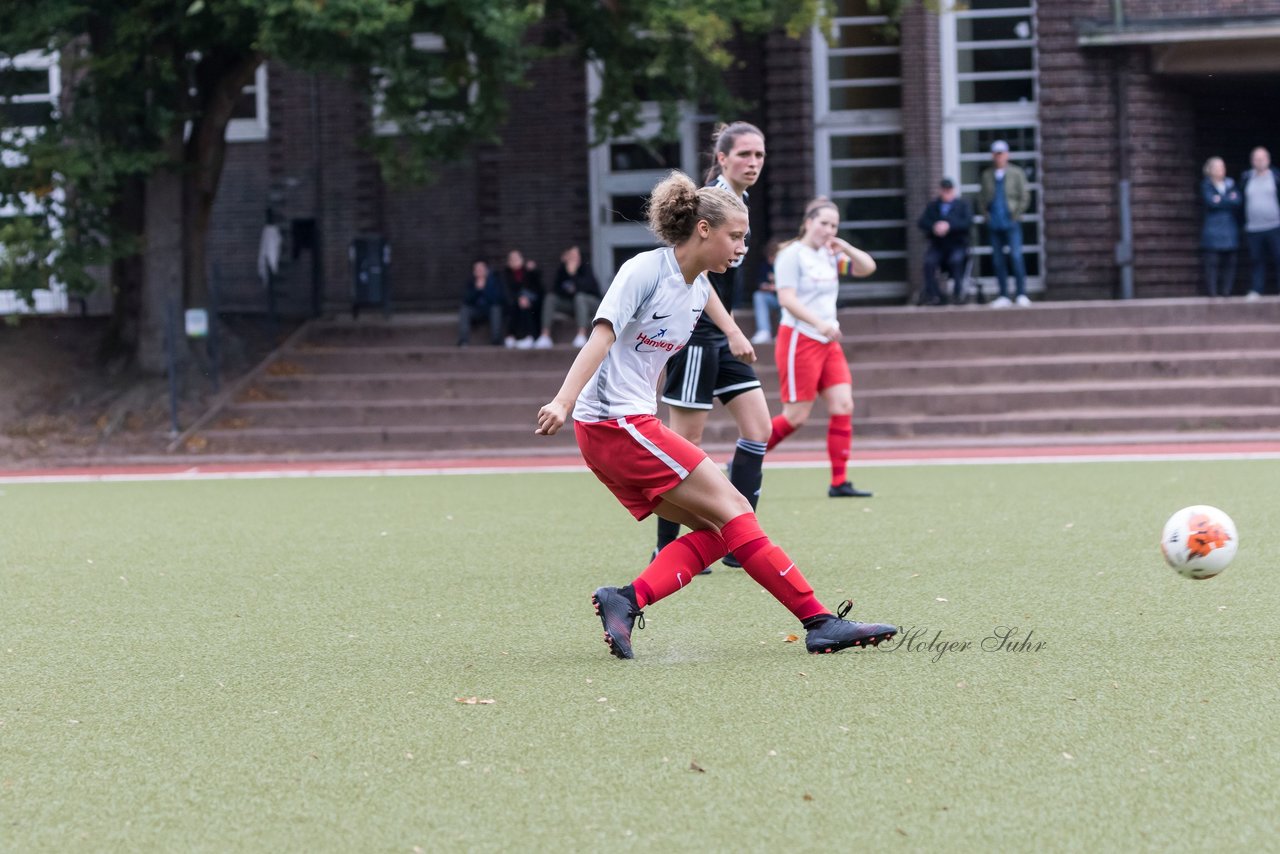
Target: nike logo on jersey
x,y
657,316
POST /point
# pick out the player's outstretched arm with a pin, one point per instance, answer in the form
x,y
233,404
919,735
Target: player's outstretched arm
x,y
739,345
552,416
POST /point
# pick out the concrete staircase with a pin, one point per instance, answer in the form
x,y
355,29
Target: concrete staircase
x,y
1172,369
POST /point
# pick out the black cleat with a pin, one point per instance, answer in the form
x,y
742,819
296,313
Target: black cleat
x,y
848,490
837,633
730,560
618,616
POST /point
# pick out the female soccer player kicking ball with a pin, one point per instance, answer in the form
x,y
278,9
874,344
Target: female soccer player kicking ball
x,y
648,314
811,361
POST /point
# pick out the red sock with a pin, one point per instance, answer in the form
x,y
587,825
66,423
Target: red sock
x,y
839,440
782,428
677,564
769,566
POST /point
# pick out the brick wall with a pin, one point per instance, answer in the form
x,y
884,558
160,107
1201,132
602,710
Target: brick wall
x,y
1166,145
530,191
788,110
921,126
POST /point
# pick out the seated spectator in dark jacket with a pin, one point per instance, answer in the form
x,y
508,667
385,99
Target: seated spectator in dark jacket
x,y
1220,235
946,222
482,300
522,287
574,290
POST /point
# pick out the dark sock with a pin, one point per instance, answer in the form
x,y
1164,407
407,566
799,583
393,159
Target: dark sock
x,y
668,532
746,474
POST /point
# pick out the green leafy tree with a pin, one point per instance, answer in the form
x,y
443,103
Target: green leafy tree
x,y
124,178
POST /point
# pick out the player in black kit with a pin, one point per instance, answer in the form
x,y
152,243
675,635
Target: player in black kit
x,y
716,362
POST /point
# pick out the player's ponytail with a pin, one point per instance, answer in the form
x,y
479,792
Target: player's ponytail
x,y
677,205
722,140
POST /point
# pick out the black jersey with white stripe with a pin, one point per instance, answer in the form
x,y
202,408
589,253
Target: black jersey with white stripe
x,y
706,332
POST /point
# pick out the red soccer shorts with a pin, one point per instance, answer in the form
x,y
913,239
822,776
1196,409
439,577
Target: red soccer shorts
x,y
807,367
638,458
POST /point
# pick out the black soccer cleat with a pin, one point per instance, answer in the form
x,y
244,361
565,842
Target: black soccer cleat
x,y
731,561
847,490
618,616
837,633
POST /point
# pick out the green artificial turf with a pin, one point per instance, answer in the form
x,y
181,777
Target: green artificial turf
x,y
273,665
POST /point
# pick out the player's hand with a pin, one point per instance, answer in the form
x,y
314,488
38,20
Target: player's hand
x,y
551,418
741,348
831,331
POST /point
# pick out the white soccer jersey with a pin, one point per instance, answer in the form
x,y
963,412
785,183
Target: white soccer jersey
x,y
653,312
812,272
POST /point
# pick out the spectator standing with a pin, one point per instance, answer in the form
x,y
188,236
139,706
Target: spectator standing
x,y
765,299
522,288
1003,198
1260,187
574,290
945,222
1220,235
481,300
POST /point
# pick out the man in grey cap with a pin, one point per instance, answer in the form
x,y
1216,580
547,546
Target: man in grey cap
x,y
1003,199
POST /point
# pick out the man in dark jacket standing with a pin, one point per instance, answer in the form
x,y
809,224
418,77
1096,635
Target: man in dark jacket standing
x,y
945,222
1260,187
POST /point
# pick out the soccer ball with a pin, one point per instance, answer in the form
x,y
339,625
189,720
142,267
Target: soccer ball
x,y
1199,541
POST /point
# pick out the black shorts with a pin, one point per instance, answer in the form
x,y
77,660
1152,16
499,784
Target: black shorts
x,y
701,372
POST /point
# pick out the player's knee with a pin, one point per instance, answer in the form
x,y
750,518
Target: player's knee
x,y
737,505
796,417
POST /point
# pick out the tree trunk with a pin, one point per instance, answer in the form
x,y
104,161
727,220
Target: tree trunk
x,y
220,81
120,347
161,298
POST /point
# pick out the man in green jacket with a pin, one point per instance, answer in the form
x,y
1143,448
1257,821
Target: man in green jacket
x,y
1003,199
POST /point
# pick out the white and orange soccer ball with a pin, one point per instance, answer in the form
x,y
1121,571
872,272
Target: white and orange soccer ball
x,y
1199,541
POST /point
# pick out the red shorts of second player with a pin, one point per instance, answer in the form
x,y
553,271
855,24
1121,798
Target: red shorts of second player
x,y
638,458
807,367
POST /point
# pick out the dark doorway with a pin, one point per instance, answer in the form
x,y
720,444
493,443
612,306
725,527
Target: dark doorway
x,y
1233,115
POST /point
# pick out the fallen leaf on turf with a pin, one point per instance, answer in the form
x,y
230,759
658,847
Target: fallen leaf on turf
x,y
802,673
900,830
474,701
1067,756
694,766
791,639
940,599
807,796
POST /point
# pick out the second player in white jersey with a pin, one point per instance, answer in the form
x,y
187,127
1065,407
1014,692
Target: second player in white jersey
x,y
811,272
652,311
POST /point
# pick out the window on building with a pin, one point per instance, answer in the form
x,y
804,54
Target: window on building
x,y
989,79
858,145
30,84
446,96
249,118
862,63
995,52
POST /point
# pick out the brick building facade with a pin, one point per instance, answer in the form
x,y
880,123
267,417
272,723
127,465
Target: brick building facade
x,y
872,118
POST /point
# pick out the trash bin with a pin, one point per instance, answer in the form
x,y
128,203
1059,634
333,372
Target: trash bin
x,y
370,265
